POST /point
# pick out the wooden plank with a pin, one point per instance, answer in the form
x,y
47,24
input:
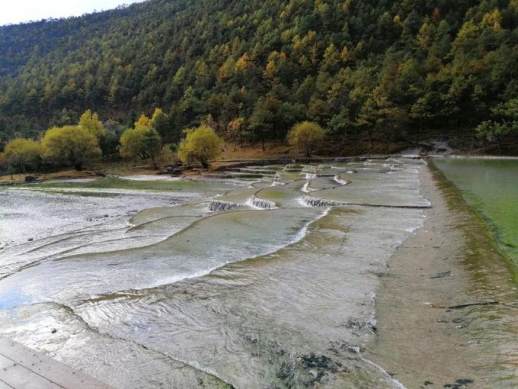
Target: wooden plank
x,y
18,362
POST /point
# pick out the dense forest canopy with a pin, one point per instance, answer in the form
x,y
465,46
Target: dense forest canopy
x,y
385,69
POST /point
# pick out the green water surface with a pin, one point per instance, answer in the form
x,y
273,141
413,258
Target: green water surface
x,y
490,186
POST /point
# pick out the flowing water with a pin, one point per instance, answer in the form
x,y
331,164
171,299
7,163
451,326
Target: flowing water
x,y
259,277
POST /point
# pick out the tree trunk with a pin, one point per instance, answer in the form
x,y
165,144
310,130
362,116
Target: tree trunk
x,y
308,154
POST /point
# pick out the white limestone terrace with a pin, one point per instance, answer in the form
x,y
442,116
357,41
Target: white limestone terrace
x,y
21,367
183,295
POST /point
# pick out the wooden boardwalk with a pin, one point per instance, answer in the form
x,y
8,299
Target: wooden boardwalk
x,y
22,368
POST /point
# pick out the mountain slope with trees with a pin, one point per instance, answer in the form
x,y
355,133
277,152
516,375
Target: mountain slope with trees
x,y
364,70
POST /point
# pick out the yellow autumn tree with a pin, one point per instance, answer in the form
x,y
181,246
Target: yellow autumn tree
x,y
70,146
143,122
90,121
23,155
3,162
493,20
243,63
142,141
306,137
226,71
201,144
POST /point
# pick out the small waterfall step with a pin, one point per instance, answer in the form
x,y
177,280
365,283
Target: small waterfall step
x,y
219,206
256,202
317,203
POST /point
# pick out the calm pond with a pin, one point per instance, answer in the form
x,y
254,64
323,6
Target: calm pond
x,y
490,186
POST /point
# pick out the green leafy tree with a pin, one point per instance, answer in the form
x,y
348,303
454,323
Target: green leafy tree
x,y
110,141
264,120
22,155
440,64
508,111
505,123
379,116
306,137
70,146
200,144
340,125
492,131
161,122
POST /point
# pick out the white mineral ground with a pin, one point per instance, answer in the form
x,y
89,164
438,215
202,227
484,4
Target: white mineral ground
x,y
238,282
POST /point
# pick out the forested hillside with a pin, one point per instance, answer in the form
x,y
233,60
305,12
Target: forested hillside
x,y
363,69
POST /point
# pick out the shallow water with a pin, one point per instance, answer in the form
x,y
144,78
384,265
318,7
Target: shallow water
x,y
261,277
491,187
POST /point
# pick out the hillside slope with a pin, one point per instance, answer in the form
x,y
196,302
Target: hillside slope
x,y
363,69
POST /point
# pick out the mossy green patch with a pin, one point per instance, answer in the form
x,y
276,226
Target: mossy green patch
x,y
489,219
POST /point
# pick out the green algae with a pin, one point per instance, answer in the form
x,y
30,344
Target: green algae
x,y
490,188
490,322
